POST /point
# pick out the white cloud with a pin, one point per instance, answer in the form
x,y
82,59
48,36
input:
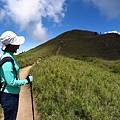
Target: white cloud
x,y
28,14
109,8
114,31
37,32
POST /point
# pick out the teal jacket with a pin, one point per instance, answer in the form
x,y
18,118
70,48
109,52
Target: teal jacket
x,y
7,74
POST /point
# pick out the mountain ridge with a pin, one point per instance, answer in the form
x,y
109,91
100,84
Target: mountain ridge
x,y
77,44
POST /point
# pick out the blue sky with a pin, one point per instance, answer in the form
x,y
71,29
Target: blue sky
x,y
42,20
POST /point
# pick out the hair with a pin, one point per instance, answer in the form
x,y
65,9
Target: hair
x,y
10,48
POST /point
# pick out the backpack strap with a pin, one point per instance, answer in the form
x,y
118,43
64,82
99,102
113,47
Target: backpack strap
x,y
6,59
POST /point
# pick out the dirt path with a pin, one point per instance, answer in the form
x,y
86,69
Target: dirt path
x,y
25,107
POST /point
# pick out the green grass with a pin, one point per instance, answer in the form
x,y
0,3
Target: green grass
x,y
68,89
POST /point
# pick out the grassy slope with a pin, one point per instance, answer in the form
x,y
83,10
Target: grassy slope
x,y
68,89
101,56
80,43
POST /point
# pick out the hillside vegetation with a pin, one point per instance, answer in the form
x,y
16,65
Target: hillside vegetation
x,y
68,89
78,43
82,81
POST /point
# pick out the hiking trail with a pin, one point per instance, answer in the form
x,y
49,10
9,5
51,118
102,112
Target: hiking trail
x,y
25,105
62,44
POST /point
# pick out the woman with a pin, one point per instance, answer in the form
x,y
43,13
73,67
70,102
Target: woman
x,y
10,96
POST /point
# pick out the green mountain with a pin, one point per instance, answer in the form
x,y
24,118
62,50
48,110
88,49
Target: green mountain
x,y
91,44
78,43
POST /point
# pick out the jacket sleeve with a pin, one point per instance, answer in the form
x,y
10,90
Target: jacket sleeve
x,y
10,76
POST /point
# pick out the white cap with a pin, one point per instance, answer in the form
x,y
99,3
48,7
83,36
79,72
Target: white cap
x,y
10,37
